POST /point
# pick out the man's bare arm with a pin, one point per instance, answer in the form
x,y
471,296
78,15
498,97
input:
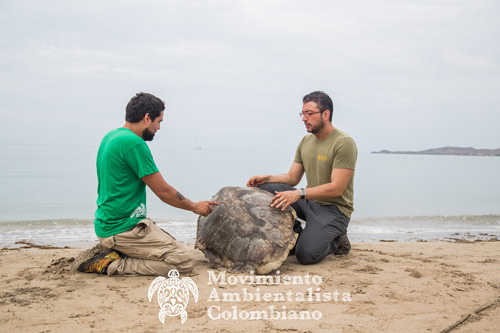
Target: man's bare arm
x,y
291,178
171,196
339,180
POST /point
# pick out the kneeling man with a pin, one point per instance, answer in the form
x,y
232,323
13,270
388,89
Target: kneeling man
x,y
328,157
135,244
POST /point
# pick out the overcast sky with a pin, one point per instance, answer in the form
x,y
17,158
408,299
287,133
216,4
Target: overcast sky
x,y
404,75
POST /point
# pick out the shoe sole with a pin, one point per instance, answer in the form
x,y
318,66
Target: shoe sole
x,y
89,254
83,266
344,247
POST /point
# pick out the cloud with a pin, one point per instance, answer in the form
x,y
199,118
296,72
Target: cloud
x,y
235,71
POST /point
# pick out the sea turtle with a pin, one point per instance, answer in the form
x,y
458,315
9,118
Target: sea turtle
x,y
173,295
244,233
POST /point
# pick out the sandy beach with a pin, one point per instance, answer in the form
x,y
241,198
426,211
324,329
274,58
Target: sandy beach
x,y
378,287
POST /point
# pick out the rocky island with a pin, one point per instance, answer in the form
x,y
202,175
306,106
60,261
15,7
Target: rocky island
x,y
467,151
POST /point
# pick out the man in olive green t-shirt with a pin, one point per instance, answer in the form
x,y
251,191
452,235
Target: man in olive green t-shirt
x,y
328,158
134,244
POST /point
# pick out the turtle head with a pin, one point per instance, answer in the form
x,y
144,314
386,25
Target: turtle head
x,y
173,273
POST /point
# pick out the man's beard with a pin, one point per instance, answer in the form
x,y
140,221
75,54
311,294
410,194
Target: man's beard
x,y
316,129
147,135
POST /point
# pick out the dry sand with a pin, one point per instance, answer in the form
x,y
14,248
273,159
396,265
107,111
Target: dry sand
x,y
393,287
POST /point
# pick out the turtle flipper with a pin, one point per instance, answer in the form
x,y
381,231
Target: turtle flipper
x,y
161,315
154,285
192,287
184,316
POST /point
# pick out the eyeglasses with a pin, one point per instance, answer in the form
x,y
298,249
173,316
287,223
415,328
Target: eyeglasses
x,y
308,114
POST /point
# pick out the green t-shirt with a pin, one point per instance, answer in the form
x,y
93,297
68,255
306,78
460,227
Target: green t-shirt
x,y
122,160
336,151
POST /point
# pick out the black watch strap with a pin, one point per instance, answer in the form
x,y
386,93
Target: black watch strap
x,y
302,193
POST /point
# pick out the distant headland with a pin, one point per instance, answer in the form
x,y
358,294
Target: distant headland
x,y
467,151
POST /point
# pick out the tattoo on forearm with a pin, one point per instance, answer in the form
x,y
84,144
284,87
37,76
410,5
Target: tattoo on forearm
x,y
179,196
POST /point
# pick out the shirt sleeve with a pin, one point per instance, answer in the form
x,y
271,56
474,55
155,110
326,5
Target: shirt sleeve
x,y
140,160
346,155
298,156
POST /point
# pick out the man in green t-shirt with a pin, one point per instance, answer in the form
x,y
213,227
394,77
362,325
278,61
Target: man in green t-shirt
x,y
328,158
133,243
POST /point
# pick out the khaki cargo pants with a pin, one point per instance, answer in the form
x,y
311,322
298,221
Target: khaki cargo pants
x,y
149,250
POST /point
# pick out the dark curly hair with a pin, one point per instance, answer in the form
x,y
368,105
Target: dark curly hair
x,y
322,100
141,104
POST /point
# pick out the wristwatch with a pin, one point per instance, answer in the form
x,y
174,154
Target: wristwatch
x,y
302,193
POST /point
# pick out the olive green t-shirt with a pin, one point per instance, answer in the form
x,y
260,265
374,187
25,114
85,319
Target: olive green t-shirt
x,y
336,151
122,160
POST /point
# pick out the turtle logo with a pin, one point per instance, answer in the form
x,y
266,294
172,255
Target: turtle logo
x,y
173,295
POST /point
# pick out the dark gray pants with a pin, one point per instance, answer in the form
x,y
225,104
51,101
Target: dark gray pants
x,y
324,226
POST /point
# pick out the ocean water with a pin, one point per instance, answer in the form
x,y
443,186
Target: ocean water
x,y
48,192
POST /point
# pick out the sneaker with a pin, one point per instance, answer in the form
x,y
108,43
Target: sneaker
x,y
99,263
87,254
344,245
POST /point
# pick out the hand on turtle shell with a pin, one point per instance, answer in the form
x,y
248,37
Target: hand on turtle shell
x,y
257,180
284,199
204,207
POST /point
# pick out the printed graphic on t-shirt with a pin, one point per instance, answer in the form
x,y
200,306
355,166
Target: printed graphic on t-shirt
x,y
139,212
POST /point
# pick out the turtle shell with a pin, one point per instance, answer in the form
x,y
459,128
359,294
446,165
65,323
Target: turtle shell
x,y
244,233
173,296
